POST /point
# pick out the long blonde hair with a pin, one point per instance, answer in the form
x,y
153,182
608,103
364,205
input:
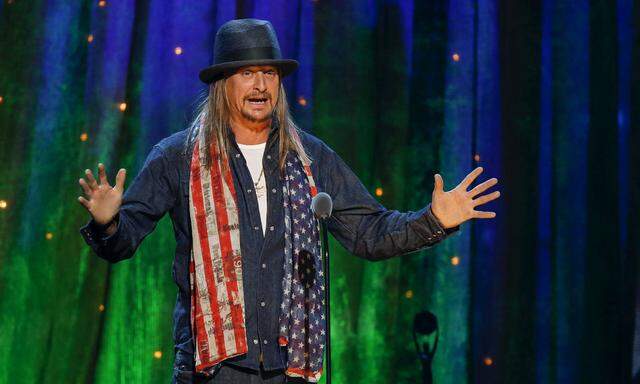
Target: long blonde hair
x,y
212,115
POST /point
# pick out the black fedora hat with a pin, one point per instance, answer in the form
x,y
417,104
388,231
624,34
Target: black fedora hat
x,y
246,42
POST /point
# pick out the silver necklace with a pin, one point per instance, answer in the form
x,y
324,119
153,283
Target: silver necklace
x,y
259,189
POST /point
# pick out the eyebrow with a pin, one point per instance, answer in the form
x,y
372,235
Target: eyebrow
x,y
259,69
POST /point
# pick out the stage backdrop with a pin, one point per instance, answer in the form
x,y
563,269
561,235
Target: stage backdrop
x,y
545,95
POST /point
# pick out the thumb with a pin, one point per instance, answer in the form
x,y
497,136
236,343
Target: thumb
x,y
439,183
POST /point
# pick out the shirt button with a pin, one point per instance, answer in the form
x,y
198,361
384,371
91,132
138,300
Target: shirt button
x,y
237,155
273,190
256,228
255,341
269,157
264,265
271,228
248,190
265,341
262,303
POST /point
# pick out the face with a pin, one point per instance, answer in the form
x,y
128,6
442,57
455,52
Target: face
x,y
252,93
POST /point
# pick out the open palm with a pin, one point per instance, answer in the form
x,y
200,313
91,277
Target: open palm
x,y
456,206
102,200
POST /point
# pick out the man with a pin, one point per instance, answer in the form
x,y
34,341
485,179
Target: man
x,y
238,186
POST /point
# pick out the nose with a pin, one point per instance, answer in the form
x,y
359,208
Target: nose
x,y
259,82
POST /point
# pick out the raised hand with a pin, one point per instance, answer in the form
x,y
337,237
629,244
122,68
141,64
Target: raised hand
x,y
102,201
456,206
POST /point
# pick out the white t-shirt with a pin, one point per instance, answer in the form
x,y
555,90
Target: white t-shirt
x,y
253,156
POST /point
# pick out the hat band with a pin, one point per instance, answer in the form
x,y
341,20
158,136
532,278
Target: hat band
x,y
258,53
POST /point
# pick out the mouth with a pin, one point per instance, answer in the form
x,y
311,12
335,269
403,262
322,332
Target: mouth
x,y
257,100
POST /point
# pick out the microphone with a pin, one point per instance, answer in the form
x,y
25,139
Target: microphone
x,y
322,205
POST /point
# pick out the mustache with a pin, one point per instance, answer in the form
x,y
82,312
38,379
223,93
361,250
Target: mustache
x,y
265,95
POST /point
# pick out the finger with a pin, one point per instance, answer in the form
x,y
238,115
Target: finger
x,y
85,187
122,174
439,183
83,201
486,198
484,215
470,178
103,175
93,184
478,189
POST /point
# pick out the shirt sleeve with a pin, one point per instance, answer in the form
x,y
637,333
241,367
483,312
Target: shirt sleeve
x,y
144,203
365,227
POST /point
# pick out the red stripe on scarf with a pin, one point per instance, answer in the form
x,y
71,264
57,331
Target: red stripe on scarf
x,y
312,186
202,339
305,373
228,265
206,255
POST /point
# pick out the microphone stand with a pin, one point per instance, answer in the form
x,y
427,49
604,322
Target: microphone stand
x,y
325,259
426,323
321,205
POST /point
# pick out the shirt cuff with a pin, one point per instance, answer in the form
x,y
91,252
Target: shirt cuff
x,y
432,229
448,231
95,236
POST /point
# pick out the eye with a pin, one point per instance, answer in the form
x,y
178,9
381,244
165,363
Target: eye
x,y
247,73
270,73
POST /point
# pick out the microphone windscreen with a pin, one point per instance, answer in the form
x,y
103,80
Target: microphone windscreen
x,y
322,205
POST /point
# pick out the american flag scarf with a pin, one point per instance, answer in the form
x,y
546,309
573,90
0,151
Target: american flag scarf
x,y
215,268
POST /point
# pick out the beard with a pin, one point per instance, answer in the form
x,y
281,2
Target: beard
x,y
264,115
254,119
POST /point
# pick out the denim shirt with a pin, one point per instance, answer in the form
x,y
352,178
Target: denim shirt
x,y
361,224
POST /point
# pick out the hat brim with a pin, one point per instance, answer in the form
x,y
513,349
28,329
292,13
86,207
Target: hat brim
x,y
216,72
